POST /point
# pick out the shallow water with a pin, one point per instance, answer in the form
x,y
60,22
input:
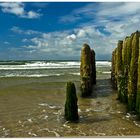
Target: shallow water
x,y
34,107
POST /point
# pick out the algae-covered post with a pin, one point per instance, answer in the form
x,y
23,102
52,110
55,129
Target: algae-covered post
x,y
85,71
126,68
71,107
113,70
126,57
122,78
116,67
138,86
119,67
93,66
133,73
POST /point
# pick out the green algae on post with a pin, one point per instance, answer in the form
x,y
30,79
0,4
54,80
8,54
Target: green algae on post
x,y
85,71
133,73
116,76
93,66
119,68
126,58
123,80
113,71
71,107
138,86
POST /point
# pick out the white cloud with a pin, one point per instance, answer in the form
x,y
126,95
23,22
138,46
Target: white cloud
x,y
66,44
117,19
116,24
26,32
118,9
32,14
71,37
18,9
103,12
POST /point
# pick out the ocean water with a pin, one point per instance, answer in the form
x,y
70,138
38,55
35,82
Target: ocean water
x,y
32,99
46,68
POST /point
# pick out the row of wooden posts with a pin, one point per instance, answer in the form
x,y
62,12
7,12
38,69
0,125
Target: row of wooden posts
x,y
125,76
125,73
88,79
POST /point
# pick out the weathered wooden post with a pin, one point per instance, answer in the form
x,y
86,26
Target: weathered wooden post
x,y
138,86
133,73
126,69
119,67
123,79
113,68
113,79
116,74
85,71
126,58
93,66
71,107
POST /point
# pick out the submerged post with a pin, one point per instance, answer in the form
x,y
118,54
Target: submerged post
x,y
71,107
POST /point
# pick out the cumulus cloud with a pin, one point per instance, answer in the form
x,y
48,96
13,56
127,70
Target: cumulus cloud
x,y
66,44
109,22
18,9
71,37
117,19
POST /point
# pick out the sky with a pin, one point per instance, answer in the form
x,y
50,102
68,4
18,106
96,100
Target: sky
x,y
57,30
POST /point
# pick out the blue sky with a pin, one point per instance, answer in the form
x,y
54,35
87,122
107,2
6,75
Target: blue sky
x,y
57,30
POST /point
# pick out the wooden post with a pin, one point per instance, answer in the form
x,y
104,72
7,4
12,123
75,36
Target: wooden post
x,y
71,107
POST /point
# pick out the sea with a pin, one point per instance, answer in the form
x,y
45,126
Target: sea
x,y
32,101
46,68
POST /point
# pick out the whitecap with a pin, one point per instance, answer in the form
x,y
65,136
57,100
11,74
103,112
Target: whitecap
x,y
45,117
88,110
79,110
99,134
136,123
50,131
103,63
106,72
19,122
42,65
32,134
65,125
50,106
30,120
128,115
3,128
78,73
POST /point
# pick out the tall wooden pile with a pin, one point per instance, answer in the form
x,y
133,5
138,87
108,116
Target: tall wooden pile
x,y
87,70
125,73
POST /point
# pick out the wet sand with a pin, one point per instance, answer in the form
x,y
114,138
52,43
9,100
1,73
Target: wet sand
x,y
34,107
